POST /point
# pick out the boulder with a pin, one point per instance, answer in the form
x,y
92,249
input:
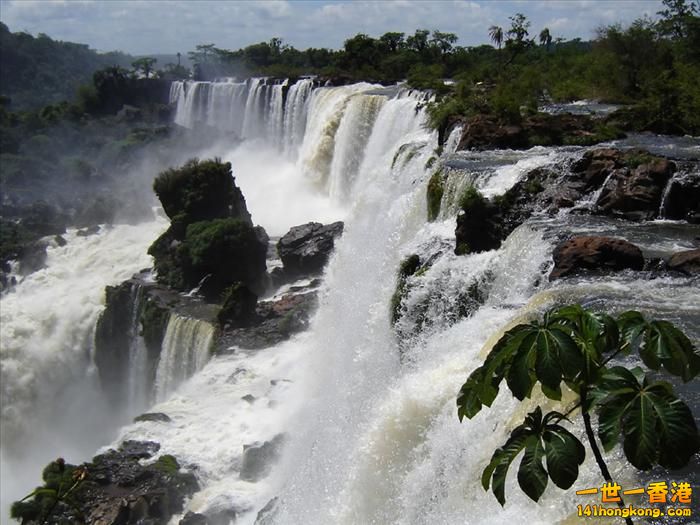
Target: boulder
x,y
157,417
687,262
259,457
635,192
682,201
596,255
479,224
305,249
486,132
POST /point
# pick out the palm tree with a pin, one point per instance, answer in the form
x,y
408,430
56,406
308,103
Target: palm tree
x,y
496,34
545,38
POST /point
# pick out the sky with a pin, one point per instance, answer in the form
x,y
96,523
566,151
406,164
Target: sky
x,y
170,26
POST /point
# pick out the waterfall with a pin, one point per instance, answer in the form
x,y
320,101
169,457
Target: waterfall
x,y
50,397
295,114
367,408
186,348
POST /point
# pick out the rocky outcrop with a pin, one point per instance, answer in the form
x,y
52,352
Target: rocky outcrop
x,y
259,457
479,225
275,321
682,200
211,242
489,132
687,262
305,249
595,255
635,192
138,308
115,488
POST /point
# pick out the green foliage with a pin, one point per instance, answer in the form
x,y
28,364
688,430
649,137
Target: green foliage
x,y
574,346
167,464
196,191
37,70
434,194
540,438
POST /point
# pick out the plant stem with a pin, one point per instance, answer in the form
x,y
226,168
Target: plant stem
x,y
594,446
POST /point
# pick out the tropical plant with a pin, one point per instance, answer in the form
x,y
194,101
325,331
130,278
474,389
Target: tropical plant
x,y
578,347
496,34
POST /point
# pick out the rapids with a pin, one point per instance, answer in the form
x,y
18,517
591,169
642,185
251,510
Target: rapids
x,y
368,410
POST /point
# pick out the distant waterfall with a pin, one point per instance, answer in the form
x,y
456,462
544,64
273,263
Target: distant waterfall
x,y
186,349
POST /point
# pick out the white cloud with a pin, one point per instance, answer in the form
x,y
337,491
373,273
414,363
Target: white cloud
x,y
142,26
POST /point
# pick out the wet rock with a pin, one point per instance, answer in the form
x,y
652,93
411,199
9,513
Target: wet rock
x,y
486,132
193,518
60,241
687,262
683,198
153,416
276,321
479,224
115,487
32,257
596,255
305,249
259,457
635,192
238,310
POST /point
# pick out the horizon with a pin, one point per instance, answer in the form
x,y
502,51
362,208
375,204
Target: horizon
x,y
141,27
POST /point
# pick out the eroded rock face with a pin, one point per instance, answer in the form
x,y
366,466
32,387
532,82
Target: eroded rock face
x,y
687,262
595,254
635,192
682,201
275,321
115,488
305,249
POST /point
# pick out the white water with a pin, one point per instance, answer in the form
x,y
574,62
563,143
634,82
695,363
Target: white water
x,y
186,348
51,403
370,419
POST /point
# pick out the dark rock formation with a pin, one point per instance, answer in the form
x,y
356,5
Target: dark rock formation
x,y
409,266
158,417
687,262
275,321
541,129
305,249
114,488
595,254
479,226
259,457
211,234
138,308
238,310
682,201
636,192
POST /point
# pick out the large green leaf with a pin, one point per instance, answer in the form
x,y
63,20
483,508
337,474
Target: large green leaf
x,y
660,344
539,438
564,454
656,427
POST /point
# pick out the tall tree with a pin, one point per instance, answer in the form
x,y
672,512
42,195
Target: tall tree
x,y
496,34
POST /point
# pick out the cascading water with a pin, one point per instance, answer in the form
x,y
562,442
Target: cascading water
x,y
51,400
186,348
368,409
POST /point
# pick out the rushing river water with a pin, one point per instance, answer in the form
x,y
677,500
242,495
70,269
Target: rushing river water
x,y
367,410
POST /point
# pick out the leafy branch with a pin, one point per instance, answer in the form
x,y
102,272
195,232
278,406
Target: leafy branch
x,y
575,346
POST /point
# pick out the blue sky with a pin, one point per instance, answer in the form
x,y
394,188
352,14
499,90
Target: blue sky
x,y
169,26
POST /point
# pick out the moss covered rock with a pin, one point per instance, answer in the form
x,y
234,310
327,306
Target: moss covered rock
x,y
434,194
238,309
479,225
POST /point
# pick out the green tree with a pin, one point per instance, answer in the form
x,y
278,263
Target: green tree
x,y
577,347
545,38
144,65
496,34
